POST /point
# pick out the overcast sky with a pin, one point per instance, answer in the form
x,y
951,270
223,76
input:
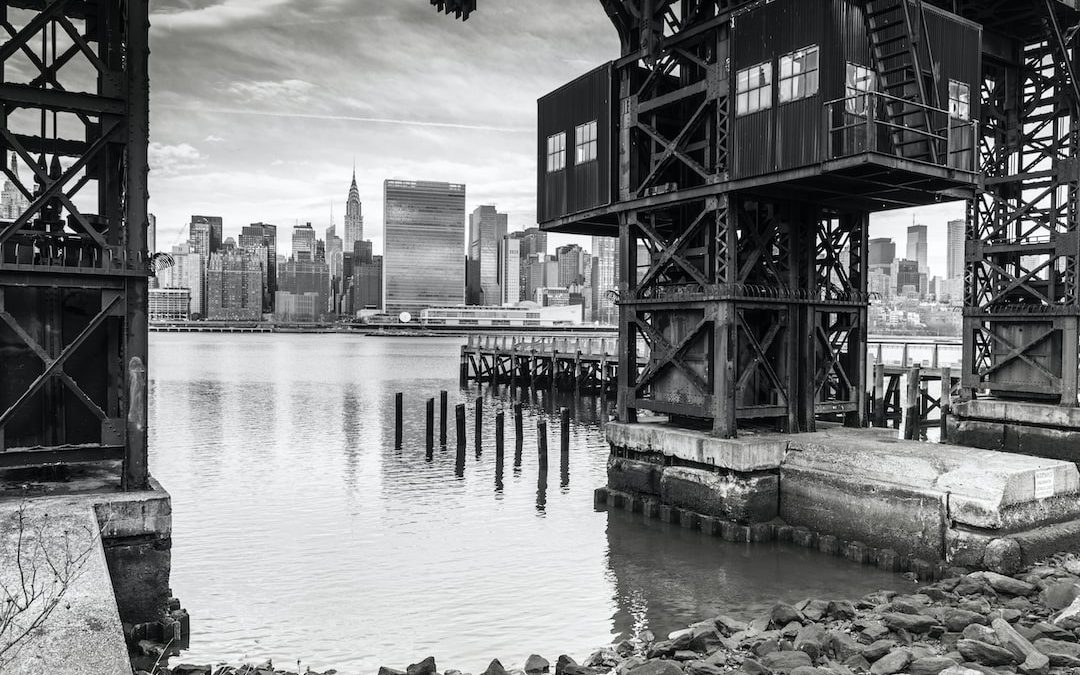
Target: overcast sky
x,y
260,107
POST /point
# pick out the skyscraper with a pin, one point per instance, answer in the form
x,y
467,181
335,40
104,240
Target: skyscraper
x,y
571,265
510,275
151,233
954,262
424,226
917,247
605,251
12,202
354,219
882,252
303,290
303,242
487,227
187,271
234,281
214,228
263,236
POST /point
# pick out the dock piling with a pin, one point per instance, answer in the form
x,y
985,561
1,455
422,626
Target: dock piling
x,y
879,395
398,403
442,418
430,430
564,434
478,431
912,404
460,412
541,445
945,402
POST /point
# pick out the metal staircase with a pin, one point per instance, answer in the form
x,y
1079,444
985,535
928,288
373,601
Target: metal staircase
x,y
904,66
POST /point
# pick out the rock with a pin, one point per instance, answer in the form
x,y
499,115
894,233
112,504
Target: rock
x,y
811,639
955,619
977,605
791,630
1032,661
987,670
872,632
662,648
960,670
858,662
626,666
809,670
425,667
783,663
982,633
878,650
782,615
703,668
534,664
685,655
494,668
766,647
752,667
985,653
905,605
564,661
1002,556
728,626
974,584
1059,595
930,665
893,662
939,594
657,667
1059,652
842,646
815,610
187,669
705,639
912,623
1045,629
1008,585
841,609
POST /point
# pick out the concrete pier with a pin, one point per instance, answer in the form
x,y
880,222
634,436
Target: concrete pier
x,y
120,581
937,503
1036,429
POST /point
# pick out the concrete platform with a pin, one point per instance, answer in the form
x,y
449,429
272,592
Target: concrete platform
x,y
81,522
1036,429
928,501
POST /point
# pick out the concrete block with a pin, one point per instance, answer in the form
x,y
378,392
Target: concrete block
x,y
977,433
761,532
858,509
728,531
1053,443
135,514
828,544
743,454
669,514
784,532
888,560
1020,412
746,453
922,569
600,497
710,525
652,509
742,533
690,520
856,551
1038,543
802,536
750,499
615,499
635,477
966,548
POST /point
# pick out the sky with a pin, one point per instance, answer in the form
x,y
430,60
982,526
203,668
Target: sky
x,y
261,108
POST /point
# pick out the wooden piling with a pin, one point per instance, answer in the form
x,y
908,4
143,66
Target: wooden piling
x,y
460,411
945,403
399,401
879,395
564,434
442,418
478,424
500,419
430,435
911,404
541,445
519,435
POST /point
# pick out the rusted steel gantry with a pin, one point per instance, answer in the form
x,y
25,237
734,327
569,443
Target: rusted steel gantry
x,y
73,267
737,148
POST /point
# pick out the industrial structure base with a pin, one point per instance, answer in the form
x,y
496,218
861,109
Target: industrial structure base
x,y
1040,429
859,490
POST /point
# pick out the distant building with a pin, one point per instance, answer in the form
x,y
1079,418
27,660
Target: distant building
x,y
299,307
526,314
918,248
552,296
298,279
303,242
365,279
263,236
907,275
424,225
151,233
169,304
13,203
571,259
354,218
187,271
487,227
605,279
234,285
214,227
882,252
510,273
954,250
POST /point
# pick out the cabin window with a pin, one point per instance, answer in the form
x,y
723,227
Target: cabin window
x,y
799,74
959,100
858,82
585,142
753,89
556,152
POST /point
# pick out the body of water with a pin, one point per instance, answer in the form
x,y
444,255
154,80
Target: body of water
x,y
300,533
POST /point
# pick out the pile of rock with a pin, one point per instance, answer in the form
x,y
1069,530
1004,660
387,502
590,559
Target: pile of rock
x,y
265,668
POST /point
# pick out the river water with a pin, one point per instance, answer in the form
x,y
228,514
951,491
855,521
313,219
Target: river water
x,y
300,533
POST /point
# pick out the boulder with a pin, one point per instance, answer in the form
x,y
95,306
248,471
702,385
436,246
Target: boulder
x,y
425,667
956,619
752,667
872,632
878,649
840,610
815,610
728,626
782,614
977,605
1003,556
535,664
857,662
912,623
704,639
657,667
1059,595
811,639
893,662
985,653
782,663
1032,661
930,665
187,669
842,646
494,668
1008,585
974,584
982,633
703,668
1060,653
960,670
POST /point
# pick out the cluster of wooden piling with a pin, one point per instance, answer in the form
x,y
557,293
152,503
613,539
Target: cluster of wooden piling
x,y
913,414
500,434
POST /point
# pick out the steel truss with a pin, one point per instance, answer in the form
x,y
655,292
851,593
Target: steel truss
x,y
1022,259
73,268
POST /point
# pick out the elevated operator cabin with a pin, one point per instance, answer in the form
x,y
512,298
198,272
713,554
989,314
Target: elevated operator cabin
x,y
857,105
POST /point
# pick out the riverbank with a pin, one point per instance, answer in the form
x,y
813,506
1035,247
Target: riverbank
x,y
970,623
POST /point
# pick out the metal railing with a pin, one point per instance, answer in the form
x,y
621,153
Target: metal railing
x,y
944,353
541,344
859,124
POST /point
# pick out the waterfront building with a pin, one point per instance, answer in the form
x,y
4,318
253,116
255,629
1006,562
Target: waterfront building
x,y
954,250
367,277
234,285
605,263
424,225
13,203
354,218
213,226
188,272
169,304
263,236
552,296
571,259
525,314
487,227
510,273
303,242
301,278
917,247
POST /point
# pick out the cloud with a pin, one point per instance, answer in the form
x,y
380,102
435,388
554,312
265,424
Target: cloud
x,y
219,15
270,91
170,160
213,139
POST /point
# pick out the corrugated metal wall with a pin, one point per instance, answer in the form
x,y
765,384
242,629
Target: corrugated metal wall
x,y
576,188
